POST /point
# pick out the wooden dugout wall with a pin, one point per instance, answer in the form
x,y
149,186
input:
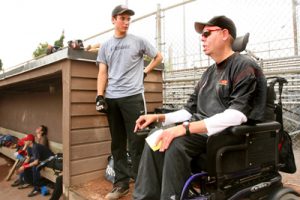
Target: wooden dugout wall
x,y
83,131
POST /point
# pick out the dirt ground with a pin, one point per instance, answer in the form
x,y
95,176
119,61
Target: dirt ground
x,y
97,189
293,180
12,193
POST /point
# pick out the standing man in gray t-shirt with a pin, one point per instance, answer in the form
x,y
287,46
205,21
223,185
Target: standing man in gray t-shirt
x,y
121,74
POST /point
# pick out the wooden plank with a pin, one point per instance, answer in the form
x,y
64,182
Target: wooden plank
x,y
49,174
39,72
84,69
8,152
91,84
94,149
11,132
82,109
154,76
66,123
153,97
153,87
88,165
83,136
152,100
81,96
84,83
86,177
79,122
151,106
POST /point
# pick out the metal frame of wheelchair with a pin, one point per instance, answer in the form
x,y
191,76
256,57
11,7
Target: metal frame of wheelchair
x,y
240,163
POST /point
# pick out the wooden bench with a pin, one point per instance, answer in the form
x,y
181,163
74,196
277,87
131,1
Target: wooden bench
x,y
55,147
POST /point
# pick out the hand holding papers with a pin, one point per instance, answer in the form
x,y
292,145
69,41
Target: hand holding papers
x,y
151,139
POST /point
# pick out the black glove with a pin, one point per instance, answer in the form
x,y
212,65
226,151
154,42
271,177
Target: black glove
x,y
145,75
101,105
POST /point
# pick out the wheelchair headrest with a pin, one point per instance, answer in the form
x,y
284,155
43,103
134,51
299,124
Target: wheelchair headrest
x,y
240,43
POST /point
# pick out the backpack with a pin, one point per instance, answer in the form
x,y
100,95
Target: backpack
x,y
110,172
54,162
57,162
8,140
285,146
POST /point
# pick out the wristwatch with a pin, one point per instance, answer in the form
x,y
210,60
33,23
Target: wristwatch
x,y
186,125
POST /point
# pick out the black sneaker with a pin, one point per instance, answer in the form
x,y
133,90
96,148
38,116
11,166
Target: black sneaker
x,y
116,193
23,185
16,183
33,193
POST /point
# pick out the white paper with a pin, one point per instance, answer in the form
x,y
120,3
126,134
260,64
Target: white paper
x,y
151,139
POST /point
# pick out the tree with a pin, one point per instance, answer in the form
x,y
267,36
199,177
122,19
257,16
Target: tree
x,y
60,42
40,50
44,47
1,64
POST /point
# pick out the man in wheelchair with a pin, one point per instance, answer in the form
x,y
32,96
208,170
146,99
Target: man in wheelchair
x,y
231,92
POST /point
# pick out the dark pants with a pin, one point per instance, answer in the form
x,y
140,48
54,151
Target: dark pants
x,y
122,114
162,175
32,176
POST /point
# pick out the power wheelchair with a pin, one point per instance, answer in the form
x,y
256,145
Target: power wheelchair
x,y
242,162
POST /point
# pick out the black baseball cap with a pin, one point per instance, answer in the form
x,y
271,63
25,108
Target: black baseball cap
x,y
121,9
220,21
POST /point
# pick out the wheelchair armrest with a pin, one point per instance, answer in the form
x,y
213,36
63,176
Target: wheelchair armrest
x,y
259,127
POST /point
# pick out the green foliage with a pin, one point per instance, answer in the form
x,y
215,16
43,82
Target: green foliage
x,y
42,47
60,42
1,65
40,50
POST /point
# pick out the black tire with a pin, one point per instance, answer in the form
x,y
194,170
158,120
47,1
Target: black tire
x,y
289,196
284,193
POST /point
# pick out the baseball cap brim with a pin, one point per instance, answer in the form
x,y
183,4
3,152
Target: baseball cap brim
x,y
199,26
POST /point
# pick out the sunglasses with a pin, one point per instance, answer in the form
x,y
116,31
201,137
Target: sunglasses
x,y
207,32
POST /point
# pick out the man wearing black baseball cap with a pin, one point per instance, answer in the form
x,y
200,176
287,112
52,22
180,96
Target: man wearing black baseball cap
x,y
121,75
220,21
230,92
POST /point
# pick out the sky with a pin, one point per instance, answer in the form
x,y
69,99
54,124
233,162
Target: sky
x,y
25,24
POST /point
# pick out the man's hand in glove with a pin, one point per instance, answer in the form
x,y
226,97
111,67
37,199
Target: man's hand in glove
x,y
101,105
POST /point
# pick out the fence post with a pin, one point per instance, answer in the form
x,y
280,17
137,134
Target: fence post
x,y
158,28
294,11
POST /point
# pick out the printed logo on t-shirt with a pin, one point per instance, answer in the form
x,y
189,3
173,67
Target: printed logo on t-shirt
x,y
120,47
223,82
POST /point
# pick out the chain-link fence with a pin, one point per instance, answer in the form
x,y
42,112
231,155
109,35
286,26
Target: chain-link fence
x,y
273,25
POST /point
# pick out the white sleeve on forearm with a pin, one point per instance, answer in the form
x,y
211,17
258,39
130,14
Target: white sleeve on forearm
x,y
221,121
177,116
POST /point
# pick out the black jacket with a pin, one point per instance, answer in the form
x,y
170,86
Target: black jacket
x,y
236,83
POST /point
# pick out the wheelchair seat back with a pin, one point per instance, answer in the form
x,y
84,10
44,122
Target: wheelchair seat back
x,y
245,147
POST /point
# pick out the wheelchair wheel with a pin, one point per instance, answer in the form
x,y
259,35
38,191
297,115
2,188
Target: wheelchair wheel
x,y
285,193
289,196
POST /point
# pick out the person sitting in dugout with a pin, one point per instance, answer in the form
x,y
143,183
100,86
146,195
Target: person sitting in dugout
x,y
31,172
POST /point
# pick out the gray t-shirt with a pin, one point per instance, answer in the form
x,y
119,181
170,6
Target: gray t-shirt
x,y
125,64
